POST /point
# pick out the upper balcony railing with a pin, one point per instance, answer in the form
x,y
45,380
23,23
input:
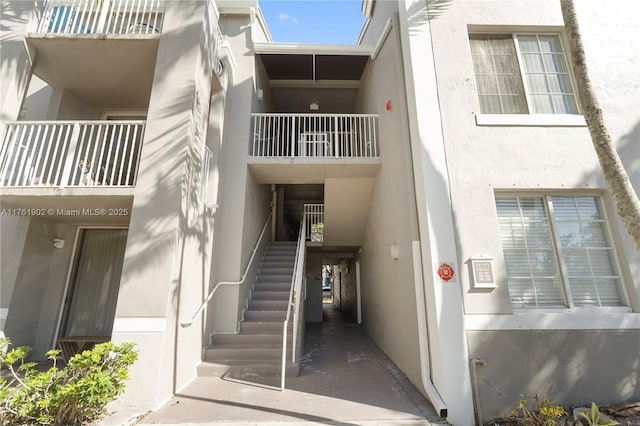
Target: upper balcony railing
x,y
315,135
71,154
102,17
314,222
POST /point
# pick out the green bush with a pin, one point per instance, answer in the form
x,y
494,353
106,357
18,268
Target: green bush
x,y
545,412
594,417
73,395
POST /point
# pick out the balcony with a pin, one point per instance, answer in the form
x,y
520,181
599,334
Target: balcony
x,y
315,135
308,148
133,17
70,154
102,51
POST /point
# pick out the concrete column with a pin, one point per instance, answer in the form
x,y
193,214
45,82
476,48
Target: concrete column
x,y
168,248
447,340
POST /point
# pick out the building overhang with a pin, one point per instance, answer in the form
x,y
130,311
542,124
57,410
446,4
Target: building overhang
x,y
106,71
311,170
312,63
311,49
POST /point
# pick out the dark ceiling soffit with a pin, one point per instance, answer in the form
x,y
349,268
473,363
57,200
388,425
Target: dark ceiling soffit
x,y
301,67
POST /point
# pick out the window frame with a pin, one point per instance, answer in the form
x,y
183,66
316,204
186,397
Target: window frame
x,y
489,117
565,286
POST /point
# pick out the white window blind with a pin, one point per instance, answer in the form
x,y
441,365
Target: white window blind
x,y
558,259
521,74
586,252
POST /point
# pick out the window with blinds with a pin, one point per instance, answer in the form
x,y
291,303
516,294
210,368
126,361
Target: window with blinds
x,y
558,252
522,74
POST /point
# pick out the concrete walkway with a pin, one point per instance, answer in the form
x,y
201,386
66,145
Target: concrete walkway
x,y
344,380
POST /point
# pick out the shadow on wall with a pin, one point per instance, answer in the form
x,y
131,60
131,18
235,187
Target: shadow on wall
x,y
629,151
14,61
420,12
572,367
566,365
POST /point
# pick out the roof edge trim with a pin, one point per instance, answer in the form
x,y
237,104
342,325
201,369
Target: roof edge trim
x,y
311,49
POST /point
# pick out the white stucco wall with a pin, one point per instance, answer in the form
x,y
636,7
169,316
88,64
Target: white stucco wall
x,y
236,233
169,246
16,59
480,160
389,314
483,159
34,279
13,231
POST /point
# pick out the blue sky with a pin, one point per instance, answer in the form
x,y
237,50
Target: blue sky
x,y
313,21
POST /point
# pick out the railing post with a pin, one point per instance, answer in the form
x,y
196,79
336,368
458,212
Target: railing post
x,y
336,144
68,163
293,135
10,145
104,14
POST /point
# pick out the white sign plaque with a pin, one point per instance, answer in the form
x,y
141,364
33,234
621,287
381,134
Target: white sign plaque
x,y
482,276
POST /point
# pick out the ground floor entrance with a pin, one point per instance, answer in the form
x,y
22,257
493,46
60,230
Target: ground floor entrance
x,y
90,304
344,378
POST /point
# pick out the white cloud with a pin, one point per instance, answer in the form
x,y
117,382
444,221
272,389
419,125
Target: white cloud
x,y
283,17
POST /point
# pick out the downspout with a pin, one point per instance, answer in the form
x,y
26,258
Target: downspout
x,y
423,336
474,363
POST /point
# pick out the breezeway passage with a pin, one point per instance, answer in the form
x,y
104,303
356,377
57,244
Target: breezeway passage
x,y
344,380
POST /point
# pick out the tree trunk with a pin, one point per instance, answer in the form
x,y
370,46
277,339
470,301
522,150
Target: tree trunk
x,y
617,179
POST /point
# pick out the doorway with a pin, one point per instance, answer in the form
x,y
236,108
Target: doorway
x,y
327,283
290,202
93,292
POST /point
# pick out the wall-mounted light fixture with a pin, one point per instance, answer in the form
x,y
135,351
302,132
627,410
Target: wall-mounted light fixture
x,y
58,243
210,207
314,106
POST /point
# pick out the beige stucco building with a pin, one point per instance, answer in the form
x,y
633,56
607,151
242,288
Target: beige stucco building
x,y
151,150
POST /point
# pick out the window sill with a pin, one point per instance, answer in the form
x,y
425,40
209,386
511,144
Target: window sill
x,y
561,319
542,120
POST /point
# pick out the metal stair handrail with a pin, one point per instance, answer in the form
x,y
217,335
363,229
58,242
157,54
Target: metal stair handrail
x,y
185,324
294,299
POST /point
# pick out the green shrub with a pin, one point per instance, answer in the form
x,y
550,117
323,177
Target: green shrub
x,y
545,412
594,418
73,395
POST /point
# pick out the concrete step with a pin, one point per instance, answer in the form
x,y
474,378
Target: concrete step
x,y
265,286
254,353
281,251
246,339
265,316
277,264
279,254
264,327
268,272
239,368
282,243
262,294
268,305
273,279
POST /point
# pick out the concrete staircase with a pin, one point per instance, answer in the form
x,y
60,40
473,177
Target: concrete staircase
x,y
256,351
